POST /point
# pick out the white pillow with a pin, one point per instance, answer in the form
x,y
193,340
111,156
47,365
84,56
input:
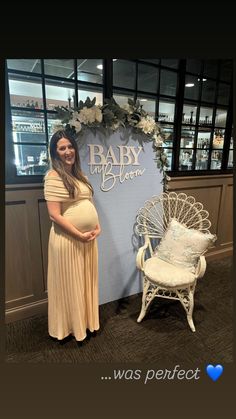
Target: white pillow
x,y
182,246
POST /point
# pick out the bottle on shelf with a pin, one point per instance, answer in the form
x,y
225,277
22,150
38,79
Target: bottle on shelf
x,y
191,118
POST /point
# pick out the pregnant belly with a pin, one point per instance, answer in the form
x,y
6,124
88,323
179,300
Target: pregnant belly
x,y
82,215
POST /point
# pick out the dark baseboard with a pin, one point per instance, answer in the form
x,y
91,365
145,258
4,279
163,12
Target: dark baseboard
x,y
219,253
27,310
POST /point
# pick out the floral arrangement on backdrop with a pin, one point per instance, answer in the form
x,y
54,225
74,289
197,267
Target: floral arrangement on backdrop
x,y
110,117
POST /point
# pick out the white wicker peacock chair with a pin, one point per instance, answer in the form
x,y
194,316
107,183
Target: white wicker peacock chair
x,y
176,232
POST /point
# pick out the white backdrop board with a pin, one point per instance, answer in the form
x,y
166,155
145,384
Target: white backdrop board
x,y
123,177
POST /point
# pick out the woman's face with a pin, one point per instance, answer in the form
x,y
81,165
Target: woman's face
x,y
66,152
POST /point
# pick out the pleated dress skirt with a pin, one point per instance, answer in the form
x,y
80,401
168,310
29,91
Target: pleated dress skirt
x,y
72,286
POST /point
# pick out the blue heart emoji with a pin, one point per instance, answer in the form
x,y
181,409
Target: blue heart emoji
x,y
214,372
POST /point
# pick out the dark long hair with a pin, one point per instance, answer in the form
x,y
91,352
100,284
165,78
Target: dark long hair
x,y
67,178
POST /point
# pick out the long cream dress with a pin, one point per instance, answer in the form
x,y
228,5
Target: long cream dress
x,y
72,265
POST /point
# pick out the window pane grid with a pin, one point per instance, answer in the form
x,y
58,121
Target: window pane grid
x,y
37,86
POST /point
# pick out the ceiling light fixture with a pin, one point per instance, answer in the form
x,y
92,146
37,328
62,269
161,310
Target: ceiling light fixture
x,y
100,66
189,84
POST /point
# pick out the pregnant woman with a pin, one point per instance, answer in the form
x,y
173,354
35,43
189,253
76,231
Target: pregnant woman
x,y
72,249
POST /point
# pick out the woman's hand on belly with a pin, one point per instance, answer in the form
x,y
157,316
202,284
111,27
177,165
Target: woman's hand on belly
x,y
87,236
91,235
97,230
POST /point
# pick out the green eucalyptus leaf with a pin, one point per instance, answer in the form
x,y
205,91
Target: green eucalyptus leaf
x,y
81,105
131,102
87,103
93,101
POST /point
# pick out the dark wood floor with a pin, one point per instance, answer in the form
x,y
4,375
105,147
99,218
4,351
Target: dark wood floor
x,y
162,336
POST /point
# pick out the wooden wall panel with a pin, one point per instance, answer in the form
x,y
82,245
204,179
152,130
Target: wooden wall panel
x,y
210,197
45,225
227,217
17,252
24,268
216,194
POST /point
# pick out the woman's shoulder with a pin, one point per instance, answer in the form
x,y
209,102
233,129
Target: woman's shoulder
x,y
52,173
54,188
53,178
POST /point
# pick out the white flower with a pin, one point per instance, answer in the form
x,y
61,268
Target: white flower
x,y
76,124
98,114
58,127
157,140
127,108
147,125
87,115
163,157
75,115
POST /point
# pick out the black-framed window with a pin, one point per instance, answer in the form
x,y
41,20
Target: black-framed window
x,y
191,99
154,83
34,88
31,66
124,74
90,70
206,119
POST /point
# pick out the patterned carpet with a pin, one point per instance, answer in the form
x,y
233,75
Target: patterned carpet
x,y
163,335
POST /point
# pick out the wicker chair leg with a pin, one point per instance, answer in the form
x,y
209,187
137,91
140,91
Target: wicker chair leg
x,y
146,299
190,322
186,297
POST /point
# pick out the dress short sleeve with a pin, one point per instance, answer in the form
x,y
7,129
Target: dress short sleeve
x,y
54,189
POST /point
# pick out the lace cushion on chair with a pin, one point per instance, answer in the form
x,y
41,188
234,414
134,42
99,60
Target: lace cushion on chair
x,y
167,275
182,246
